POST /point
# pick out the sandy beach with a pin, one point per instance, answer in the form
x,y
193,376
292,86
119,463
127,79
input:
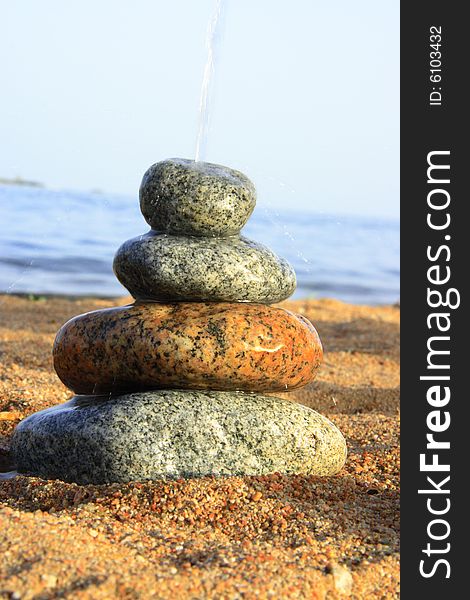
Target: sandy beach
x,y
253,537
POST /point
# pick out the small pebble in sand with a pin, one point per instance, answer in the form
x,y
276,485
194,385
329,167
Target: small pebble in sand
x,y
342,578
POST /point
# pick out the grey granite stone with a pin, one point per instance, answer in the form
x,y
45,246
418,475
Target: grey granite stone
x,y
165,268
172,434
196,198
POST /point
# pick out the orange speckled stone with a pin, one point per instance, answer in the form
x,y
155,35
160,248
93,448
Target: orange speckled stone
x,y
217,346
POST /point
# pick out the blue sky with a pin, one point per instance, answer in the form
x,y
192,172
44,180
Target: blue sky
x,y
306,96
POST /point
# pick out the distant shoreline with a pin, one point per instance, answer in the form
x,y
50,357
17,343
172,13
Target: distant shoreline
x,y
21,181
126,299
38,296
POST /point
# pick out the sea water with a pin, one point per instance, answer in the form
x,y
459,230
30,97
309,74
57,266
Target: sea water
x,y
63,242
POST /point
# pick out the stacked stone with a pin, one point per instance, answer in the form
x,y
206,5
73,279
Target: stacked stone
x,y
174,385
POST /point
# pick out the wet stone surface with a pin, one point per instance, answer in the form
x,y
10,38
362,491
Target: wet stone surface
x,y
181,196
170,387
172,434
219,346
165,268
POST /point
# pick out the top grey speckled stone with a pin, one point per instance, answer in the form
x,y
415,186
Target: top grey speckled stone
x,y
196,198
172,434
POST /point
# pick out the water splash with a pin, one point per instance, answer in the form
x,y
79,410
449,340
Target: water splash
x,y
213,37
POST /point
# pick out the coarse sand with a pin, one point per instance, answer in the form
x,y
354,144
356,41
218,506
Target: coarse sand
x,y
274,536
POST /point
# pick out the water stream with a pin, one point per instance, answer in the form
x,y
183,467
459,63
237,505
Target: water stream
x,y
213,40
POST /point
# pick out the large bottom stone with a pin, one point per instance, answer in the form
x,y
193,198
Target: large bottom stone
x,y
173,434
